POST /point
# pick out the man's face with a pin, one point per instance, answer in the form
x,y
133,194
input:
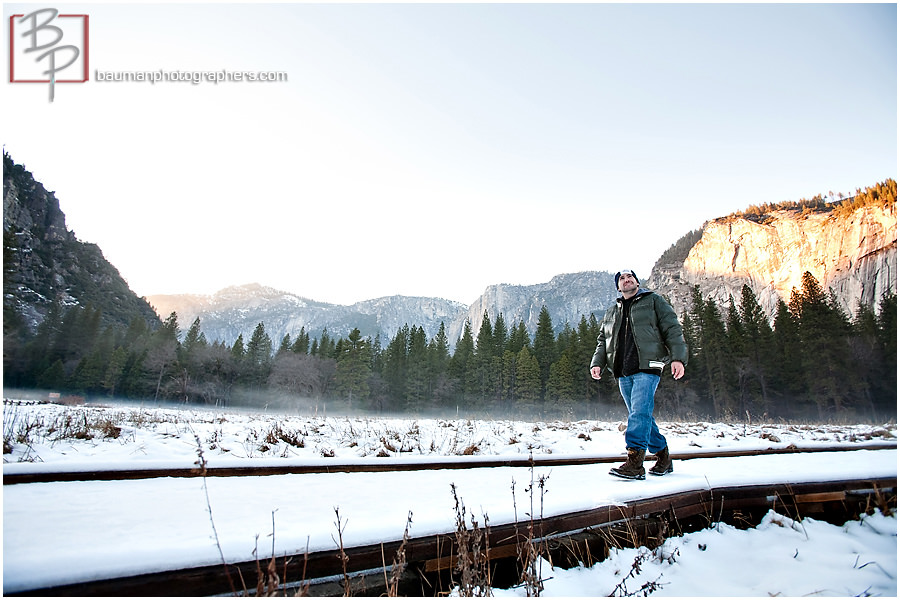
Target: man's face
x,y
627,283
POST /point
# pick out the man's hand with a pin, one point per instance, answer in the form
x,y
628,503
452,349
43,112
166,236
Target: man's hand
x,y
677,369
596,372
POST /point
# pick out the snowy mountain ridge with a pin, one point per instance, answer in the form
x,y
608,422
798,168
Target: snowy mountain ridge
x,y
237,310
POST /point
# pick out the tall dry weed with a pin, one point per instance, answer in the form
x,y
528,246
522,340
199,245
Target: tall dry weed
x,y
472,552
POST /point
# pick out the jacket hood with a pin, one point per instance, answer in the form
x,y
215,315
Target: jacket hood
x,y
640,292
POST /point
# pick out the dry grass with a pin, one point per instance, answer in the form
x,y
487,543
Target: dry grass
x,y
887,504
74,425
278,434
392,585
531,546
472,552
469,450
647,588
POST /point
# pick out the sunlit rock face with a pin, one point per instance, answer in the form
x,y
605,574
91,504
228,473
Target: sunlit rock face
x,y
852,253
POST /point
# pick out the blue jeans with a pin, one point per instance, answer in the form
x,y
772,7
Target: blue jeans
x,y
642,433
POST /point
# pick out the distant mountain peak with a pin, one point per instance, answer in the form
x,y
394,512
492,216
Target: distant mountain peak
x,y
225,315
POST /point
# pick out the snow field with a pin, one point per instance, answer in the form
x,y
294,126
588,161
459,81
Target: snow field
x,y
55,533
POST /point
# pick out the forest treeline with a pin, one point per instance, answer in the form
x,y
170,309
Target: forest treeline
x,y
815,361
882,195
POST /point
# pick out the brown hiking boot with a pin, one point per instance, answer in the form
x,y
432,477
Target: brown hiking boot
x,y
663,463
633,467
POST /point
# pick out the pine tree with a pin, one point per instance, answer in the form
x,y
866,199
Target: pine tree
x,y
567,350
237,349
486,370
865,355
114,370
588,331
495,375
285,345
528,381
194,339
326,345
507,381
301,344
501,335
739,371
544,346
440,385
189,370
518,338
560,388
418,378
38,353
395,366
788,380
822,335
757,350
376,353
137,330
352,370
718,360
461,367
137,339
191,355
53,377
484,343
887,341
88,375
162,355
691,324
258,357
706,332
440,349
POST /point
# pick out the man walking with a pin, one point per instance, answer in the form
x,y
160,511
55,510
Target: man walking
x,y
639,335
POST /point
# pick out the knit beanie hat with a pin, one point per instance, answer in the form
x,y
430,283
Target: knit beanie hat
x,y
630,272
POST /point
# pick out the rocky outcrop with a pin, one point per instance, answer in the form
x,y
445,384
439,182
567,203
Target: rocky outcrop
x,y
43,262
567,297
852,252
29,209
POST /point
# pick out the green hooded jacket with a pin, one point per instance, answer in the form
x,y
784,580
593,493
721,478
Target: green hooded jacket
x,y
657,333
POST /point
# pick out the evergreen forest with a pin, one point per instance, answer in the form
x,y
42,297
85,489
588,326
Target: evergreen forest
x,y
813,362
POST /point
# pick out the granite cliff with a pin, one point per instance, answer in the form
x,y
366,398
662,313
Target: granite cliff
x,y
850,247
567,297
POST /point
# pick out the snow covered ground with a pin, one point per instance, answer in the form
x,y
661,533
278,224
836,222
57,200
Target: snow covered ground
x,y
59,533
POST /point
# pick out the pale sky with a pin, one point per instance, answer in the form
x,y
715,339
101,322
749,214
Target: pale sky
x,y
436,149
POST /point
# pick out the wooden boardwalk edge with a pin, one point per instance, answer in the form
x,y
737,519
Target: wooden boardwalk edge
x,y
379,467
436,551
